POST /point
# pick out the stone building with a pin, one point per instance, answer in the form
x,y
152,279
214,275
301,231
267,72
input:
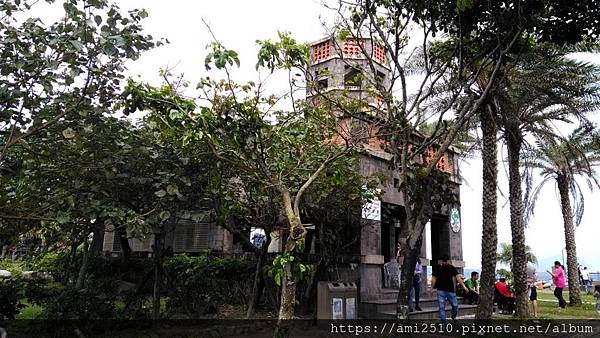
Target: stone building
x,y
187,236
340,69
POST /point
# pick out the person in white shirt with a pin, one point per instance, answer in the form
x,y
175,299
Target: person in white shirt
x,y
585,275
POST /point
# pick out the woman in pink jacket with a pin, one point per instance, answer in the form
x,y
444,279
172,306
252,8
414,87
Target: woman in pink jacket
x,y
558,276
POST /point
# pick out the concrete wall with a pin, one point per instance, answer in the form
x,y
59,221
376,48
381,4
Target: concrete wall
x,y
371,260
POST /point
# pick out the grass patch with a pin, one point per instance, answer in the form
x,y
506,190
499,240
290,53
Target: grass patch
x,y
549,309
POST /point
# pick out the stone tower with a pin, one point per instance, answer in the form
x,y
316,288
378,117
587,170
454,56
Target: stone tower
x,y
340,69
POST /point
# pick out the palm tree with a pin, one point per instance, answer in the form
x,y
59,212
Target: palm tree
x,y
505,254
489,238
541,88
563,161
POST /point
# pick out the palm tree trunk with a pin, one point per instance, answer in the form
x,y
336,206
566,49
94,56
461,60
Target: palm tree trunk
x,y
489,236
519,264
570,246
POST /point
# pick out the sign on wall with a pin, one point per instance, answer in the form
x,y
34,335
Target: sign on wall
x,y
372,210
455,220
337,308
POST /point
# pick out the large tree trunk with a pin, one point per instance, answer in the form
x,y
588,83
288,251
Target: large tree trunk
x,y
124,241
519,264
489,236
570,246
258,281
288,283
419,216
84,265
98,238
157,276
410,254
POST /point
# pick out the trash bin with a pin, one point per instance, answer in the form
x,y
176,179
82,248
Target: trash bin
x,y
336,300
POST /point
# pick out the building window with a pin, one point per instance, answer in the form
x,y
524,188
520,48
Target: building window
x,y
352,77
380,78
323,83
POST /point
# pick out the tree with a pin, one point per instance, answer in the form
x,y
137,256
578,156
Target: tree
x,y
528,104
285,152
111,176
64,70
481,35
505,254
564,161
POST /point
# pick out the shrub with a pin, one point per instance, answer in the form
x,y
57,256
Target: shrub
x,y
199,284
14,267
11,292
54,262
42,292
83,304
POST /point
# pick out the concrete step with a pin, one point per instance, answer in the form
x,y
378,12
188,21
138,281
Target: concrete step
x,y
464,311
372,308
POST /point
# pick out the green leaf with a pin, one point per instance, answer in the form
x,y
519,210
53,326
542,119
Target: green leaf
x,y
277,278
172,189
63,219
164,215
98,19
176,114
78,45
68,133
160,193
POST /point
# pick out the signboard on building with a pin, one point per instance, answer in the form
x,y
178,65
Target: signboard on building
x,y
372,210
337,309
455,220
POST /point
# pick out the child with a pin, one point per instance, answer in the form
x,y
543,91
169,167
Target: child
x,y
597,295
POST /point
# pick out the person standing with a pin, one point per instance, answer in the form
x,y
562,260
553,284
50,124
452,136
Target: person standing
x,y
416,289
585,275
532,290
473,286
442,279
558,275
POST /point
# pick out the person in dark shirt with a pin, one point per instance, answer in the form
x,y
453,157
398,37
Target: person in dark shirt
x,y
442,280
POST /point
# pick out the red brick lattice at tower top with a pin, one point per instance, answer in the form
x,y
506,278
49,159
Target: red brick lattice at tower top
x,y
379,54
321,51
353,47
444,164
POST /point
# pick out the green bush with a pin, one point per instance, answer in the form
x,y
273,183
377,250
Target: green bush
x,y
197,285
53,262
83,304
42,292
14,267
11,292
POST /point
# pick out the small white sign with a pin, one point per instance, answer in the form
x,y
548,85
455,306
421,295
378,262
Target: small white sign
x,y
372,210
337,310
350,308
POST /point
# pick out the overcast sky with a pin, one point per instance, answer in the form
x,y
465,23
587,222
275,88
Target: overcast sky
x,y
238,24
